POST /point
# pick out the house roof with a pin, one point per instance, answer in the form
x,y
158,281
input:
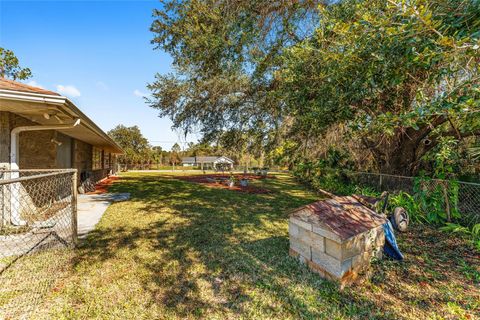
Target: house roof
x,y
188,159
45,107
206,158
6,84
342,217
224,159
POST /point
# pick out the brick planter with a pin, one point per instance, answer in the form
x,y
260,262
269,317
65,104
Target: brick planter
x,y
336,237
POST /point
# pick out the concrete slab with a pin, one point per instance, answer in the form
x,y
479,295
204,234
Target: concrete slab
x,y
91,207
55,232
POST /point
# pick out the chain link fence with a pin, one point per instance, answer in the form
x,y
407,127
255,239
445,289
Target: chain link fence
x,y
456,196
37,229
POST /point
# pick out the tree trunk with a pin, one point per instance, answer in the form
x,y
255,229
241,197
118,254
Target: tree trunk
x,y
402,153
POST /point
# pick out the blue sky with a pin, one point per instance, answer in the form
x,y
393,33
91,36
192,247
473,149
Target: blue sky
x,y
96,52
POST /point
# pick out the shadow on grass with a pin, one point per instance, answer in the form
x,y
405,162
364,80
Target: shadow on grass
x,y
218,251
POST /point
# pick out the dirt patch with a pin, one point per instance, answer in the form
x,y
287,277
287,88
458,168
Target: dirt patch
x,y
102,186
440,275
221,181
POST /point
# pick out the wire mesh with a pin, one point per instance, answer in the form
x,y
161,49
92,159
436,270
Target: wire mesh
x,y
469,202
463,196
37,229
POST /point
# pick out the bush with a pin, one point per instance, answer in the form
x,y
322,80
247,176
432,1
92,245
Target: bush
x,y
427,204
472,233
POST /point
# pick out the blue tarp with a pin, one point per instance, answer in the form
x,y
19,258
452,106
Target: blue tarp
x,y
391,248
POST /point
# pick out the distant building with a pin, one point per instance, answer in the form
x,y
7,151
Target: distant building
x,y
205,162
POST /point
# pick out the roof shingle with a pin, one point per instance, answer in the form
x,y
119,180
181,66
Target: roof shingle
x,y
6,84
343,216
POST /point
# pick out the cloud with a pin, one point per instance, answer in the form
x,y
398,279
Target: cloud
x,y
69,91
34,83
139,93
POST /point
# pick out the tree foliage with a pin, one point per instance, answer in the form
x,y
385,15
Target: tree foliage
x,y
10,67
402,75
175,154
225,53
134,144
398,80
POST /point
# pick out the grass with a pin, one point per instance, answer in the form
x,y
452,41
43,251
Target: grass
x,y
180,250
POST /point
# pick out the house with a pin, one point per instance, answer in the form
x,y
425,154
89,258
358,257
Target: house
x,y
205,162
40,129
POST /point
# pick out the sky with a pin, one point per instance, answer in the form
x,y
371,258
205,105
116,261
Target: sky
x,y
97,53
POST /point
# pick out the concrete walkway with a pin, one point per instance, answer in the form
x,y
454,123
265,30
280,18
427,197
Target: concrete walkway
x,y
91,207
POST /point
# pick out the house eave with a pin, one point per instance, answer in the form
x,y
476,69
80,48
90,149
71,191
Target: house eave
x,y
65,106
32,97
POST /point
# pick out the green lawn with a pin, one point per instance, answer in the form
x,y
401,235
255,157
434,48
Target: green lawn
x,y
182,250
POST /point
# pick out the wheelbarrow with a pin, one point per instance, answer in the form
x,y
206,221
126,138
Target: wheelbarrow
x,y
398,217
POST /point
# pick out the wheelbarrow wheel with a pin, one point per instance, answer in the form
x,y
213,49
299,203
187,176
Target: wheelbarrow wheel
x,y
400,219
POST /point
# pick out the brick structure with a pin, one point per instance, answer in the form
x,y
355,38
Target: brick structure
x,y
39,152
36,147
336,237
82,156
46,137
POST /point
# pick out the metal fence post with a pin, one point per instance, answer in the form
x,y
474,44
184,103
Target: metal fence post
x,y
74,208
34,255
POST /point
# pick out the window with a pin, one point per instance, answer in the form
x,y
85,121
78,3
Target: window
x,y
107,160
96,158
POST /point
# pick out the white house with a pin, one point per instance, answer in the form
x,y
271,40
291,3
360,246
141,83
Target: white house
x,y
205,162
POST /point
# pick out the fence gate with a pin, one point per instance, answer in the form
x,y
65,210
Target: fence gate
x,y
38,217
